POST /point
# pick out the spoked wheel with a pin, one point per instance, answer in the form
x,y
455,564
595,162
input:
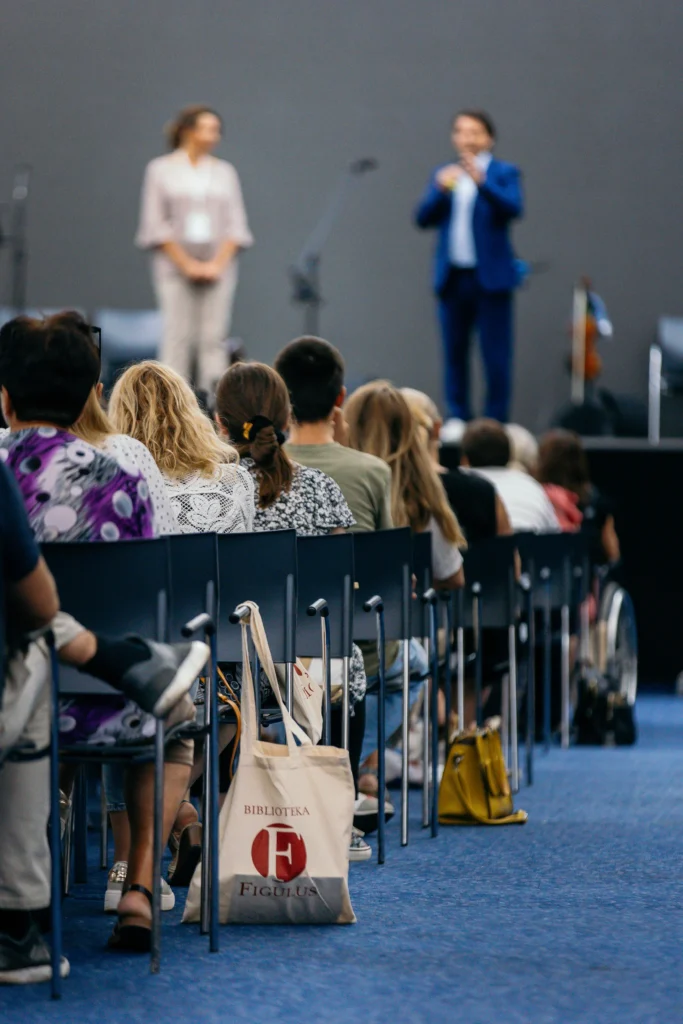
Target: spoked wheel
x,y
617,623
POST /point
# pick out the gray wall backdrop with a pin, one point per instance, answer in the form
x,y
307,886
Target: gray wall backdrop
x,y
586,94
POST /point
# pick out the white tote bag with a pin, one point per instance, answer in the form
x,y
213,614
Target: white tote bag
x,y
285,827
307,698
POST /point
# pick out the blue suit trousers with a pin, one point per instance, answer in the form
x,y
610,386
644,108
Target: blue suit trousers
x,y
464,307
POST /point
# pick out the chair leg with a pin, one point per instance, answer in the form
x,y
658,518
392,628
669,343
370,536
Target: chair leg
x,y
155,959
405,740
462,725
207,825
435,723
514,736
448,676
565,632
381,739
327,680
426,703
289,687
55,836
80,812
346,703
547,666
104,825
214,880
479,661
531,693
505,719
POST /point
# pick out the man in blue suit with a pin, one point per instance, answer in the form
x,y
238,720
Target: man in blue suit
x,y
471,204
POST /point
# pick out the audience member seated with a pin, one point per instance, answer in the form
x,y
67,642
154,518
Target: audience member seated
x,y
72,491
313,371
486,450
382,424
563,472
95,427
209,492
523,448
253,410
474,500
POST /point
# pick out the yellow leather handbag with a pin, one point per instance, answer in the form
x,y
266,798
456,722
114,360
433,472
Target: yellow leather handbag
x,y
474,787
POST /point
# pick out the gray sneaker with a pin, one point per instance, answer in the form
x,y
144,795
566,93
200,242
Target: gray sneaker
x,y
164,674
115,883
359,849
27,960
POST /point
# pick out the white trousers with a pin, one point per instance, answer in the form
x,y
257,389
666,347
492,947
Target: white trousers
x,y
25,787
196,321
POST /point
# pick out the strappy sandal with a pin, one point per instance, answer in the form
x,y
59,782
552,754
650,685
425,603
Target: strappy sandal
x,y
133,932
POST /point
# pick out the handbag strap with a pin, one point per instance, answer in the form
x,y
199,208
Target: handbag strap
x,y
516,818
258,635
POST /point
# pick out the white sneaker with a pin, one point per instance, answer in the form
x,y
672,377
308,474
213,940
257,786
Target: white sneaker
x,y
115,882
359,849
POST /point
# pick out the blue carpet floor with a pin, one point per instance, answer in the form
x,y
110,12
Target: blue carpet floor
x,y
575,917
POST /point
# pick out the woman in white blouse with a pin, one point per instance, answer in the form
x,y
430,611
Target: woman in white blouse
x,y
208,491
95,427
194,223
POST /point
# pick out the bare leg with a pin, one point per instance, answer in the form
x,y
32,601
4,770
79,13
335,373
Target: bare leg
x,y
140,803
120,828
80,650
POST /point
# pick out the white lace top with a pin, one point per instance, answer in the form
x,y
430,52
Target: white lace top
x,y
222,504
130,453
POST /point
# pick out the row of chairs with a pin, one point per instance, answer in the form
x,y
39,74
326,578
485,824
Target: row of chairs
x,y
359,587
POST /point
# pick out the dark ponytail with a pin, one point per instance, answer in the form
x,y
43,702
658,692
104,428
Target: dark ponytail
x,y
252,403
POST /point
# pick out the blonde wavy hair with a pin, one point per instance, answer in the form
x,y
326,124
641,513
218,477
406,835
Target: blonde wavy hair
x,y
157,406
93,425
381,423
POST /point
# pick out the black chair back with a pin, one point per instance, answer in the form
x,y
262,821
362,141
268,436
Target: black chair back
x,y
550,559
383,562
194,579
111,588
422,570
490,571
259,567
325,570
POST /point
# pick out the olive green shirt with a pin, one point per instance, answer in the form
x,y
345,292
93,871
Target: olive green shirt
x,y
365,482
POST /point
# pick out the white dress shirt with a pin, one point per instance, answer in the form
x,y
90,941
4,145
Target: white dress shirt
x,y
462,250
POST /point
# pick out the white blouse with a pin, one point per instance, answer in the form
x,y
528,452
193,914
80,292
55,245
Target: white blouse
x,y
133,455
220,504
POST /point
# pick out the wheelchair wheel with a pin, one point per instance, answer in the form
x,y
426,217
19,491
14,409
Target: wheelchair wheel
x,y
618,621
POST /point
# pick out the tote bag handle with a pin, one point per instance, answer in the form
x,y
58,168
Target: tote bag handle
x,y
250,725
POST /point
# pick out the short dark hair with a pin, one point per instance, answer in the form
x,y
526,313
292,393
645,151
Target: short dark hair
x,y
313,371
49,367
478,115
485,443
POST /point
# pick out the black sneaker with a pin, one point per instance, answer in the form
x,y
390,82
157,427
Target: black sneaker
x,y
25,961
164,674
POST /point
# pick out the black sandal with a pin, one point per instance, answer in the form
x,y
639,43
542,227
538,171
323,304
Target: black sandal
x,y
187,849
135,937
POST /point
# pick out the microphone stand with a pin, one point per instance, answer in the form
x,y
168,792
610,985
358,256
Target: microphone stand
x,y
305,273
15,239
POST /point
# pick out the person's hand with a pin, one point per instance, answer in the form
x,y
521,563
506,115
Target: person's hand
x,y
471,167
340,427
202,271
447,177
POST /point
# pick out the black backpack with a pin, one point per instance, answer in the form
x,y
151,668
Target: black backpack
x,y
603,715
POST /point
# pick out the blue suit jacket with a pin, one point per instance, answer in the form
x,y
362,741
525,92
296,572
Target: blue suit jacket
x,y
499,201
